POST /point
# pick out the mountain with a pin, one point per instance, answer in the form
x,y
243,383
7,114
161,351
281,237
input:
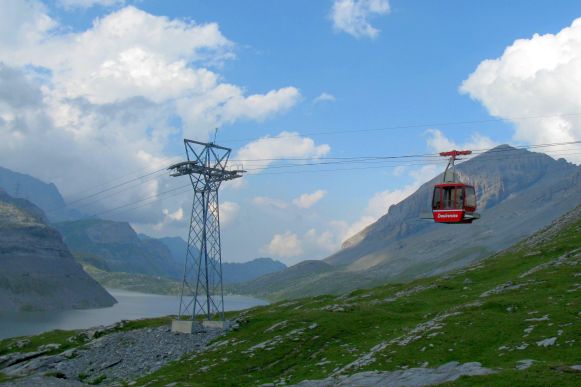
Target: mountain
x,y
44,195
37,271
518,193
511,319
177,247
116,247
232,273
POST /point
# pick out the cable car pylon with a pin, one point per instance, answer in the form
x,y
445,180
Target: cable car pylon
x,y
202,292
453,202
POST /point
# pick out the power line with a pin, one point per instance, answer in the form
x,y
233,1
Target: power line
x,y
406,126
159,195
154,198
366,160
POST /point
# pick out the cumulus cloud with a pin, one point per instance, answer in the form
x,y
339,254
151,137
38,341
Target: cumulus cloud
x,y
438,142
259,154
324,97
97,103
308,200
324,241
539,76
379,203
228,212
285,245
352,16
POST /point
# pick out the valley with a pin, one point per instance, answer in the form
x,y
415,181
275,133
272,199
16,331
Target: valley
x,y
509,319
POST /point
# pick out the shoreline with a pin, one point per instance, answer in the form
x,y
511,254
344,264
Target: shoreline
x,y
131,306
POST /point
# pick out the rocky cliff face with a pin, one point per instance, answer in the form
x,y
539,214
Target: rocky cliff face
x,y
518,193
44,195
37,271
119,247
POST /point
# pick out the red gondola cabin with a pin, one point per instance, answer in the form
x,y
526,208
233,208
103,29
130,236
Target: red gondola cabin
x,y
454,203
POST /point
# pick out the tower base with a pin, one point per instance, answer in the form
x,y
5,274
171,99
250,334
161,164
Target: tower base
x,y
189,326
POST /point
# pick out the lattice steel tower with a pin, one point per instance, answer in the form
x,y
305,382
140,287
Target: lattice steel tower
x,y
202,291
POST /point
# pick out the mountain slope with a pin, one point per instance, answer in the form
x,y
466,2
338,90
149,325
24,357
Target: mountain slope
x,y
44,195
37,271
516,313
518,192
232,272
118,247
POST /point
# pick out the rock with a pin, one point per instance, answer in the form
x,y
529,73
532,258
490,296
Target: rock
x,y
44,381
524,364
410,377
547,342
544,318
116,357
49,347
18,357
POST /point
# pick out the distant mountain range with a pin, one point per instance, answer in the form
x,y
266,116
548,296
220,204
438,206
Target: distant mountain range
x,y
116,247
232,272
112,251
518,191
37,271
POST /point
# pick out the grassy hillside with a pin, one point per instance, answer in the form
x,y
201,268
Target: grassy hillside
x,y
134,282
520,304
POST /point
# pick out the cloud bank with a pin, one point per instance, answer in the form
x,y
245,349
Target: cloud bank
x,y
535,77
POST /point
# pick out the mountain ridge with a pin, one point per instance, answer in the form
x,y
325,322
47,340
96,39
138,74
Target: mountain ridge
x,y
518,193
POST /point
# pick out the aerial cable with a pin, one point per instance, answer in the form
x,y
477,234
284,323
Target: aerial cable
x,y
326,161
403,127
162,195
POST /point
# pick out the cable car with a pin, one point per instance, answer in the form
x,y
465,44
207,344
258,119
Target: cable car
x,y
452,201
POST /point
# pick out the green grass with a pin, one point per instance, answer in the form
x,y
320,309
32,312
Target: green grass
x,y
4,378
67,340
483,329
73,338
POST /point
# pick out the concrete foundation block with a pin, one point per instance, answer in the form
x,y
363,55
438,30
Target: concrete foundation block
x,y
183,326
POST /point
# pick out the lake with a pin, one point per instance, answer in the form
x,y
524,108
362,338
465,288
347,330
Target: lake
x,y
130,306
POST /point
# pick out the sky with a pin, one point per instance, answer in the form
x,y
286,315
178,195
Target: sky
x,y
97,95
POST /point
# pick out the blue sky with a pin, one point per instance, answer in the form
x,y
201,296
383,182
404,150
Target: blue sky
x,y
409,73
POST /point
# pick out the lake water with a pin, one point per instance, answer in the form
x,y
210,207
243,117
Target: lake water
x,y
130,306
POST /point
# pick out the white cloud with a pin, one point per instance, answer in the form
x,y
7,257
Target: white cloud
x,y
324,97
539,76
98,103
325,241
84,4
257,155
438,142
169,219
308,200
228,212
285,245
264,201
352,16
379,203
